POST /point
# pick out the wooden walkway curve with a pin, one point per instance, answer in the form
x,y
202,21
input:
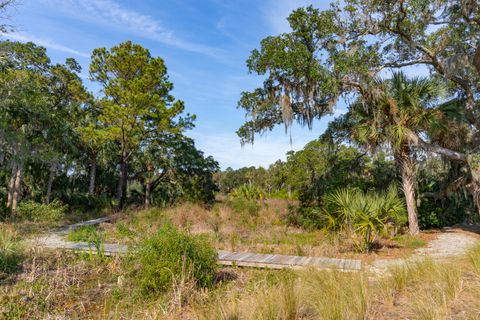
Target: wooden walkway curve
x,y
55,240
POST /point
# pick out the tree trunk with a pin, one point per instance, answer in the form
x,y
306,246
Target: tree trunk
x,y
476,59
93,173
17,187
474,165
406,166
51,177
148,187
11,185
121,187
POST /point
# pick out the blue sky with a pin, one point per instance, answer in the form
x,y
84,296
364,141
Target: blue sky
x,y
204,44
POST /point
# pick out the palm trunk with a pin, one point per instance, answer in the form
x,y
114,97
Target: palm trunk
x,y
51,177
93,172
406,166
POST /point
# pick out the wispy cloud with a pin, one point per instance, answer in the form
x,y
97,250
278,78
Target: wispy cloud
x,y
47,43
277,11
113,14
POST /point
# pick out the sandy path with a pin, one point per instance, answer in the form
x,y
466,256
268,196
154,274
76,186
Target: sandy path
x,y
451,243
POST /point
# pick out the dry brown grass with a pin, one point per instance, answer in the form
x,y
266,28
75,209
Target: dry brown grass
x,y
262,232
67,285
421,290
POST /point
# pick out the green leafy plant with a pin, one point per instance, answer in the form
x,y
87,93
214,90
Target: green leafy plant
x,y
249,192
82,234
365,215
39,212
170,257
10,256
242,205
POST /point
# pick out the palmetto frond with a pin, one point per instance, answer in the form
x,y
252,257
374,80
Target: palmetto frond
x,y
367,214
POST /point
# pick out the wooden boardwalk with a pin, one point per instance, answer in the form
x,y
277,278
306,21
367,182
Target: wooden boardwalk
x,y
243,259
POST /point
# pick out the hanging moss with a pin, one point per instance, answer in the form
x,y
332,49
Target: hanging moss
x,y
474,164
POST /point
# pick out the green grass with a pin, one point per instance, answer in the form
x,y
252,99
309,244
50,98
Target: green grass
x,y
409,242
10,251
83,234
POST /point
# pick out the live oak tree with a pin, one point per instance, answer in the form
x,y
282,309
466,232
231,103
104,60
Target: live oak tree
x,y
137,102
37,98
341,52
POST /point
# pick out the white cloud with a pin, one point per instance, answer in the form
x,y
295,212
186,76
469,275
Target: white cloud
x,y
47,43
277,11
111,13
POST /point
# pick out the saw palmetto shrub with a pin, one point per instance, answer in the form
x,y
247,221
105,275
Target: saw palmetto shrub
x,y
365,215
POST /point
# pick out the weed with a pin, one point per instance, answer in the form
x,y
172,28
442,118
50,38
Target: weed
x,y
172,257
82,234
39,212
124,231
10,254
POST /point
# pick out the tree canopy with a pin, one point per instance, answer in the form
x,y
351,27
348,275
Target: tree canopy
x,y
344,53
60,141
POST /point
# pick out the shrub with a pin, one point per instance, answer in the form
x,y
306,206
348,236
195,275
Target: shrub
x,y
170,257
83,234
283,194
38,212
249,192
364,214
89,202
244,205
10,257
435,214
304,217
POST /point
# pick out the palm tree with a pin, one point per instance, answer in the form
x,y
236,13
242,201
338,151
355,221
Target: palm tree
x,y
388,116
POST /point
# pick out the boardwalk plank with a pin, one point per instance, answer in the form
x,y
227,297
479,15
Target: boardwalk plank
x,y
246,259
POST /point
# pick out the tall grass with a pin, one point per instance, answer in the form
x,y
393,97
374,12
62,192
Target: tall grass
x,y
308,294
10,251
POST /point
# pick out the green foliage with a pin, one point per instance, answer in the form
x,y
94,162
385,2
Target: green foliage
x,y
39,212
243,205
367,215
170,256
309,173
306,217
435,214
123,230
90,203
248,192
10,254
83,234
335,53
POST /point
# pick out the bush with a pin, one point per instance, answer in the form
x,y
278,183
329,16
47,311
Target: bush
x,y
283,194
89,202
304,217
366,215
434,214
38,212
248,192
83,234
170,257
10,258
243,205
